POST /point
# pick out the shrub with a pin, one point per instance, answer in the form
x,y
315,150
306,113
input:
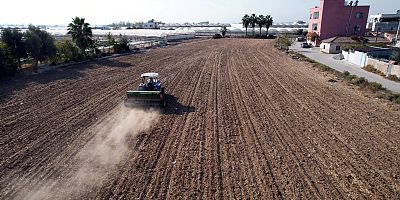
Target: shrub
x,y
122,45
393,78
359,81
223,31
323,67
7,65
217,36
397,100
375,86
372,69
284,42
391,96
68,51
346,75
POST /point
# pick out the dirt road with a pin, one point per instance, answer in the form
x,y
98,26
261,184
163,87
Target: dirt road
x,y
243,122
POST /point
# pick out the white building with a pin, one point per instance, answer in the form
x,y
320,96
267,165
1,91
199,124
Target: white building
x,y
151,25
335,44
384,22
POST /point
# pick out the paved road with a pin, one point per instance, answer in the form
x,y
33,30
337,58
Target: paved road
x,y
342,66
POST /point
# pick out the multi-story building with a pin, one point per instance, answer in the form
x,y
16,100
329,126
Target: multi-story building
x,y
384,22
338,18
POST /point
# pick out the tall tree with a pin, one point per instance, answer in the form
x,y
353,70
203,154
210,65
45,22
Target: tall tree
x,y
246,22
7,64
268,23
260,22
253,21
81,33
13,40
111,42
39,45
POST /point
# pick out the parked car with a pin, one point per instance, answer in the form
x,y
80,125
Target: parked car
x,y
305,45
300,39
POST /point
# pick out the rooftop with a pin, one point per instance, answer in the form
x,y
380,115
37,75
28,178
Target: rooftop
x,y
341,40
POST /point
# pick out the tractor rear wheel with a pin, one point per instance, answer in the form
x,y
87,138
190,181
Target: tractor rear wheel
x,y
162,97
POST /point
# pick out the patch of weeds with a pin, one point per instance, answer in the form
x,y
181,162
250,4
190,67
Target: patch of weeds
x,y
347,76
371,68
391,96
375,86
359,81
323,67
397,100
393,78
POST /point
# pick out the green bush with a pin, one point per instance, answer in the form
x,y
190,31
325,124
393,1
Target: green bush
x,y
68,51
7,65
375,86
122,45
346,75
397,100
359,81
391,96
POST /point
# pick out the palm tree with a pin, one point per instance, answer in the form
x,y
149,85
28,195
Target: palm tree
x,y
246,21
253,21
268,22
260,22
81,33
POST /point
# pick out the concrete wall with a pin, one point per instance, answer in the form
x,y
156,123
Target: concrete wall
x,y
358,58
385,67
395,70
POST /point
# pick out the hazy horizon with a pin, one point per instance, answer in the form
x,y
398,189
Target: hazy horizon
x,y
46,12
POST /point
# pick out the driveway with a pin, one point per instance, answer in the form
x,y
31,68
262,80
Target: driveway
x,y
341,65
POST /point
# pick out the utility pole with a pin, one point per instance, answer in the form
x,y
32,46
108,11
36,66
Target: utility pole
x,y
351,13
397,34
376,30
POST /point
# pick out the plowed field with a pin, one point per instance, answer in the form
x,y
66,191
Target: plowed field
x,y
243,121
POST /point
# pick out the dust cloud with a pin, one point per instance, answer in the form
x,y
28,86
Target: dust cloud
x,y
107,149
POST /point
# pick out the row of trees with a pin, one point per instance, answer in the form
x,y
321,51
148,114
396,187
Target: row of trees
x,y
35,45
261,21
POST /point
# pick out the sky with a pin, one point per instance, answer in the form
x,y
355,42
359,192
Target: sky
x,y
101,12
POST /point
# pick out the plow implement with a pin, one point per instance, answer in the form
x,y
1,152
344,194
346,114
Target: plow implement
x,y
145,99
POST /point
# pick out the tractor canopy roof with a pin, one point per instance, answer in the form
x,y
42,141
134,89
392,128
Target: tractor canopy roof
x,y
150,75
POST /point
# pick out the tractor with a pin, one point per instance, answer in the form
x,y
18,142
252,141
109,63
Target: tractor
x,y
150,93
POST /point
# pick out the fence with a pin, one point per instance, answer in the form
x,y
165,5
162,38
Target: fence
x,y
385,67
356,57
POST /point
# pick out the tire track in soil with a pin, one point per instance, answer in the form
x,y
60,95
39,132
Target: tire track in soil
x,y
355,155
285,145
288,135
93,102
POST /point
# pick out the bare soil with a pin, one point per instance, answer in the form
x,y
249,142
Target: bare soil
x,y
243,121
